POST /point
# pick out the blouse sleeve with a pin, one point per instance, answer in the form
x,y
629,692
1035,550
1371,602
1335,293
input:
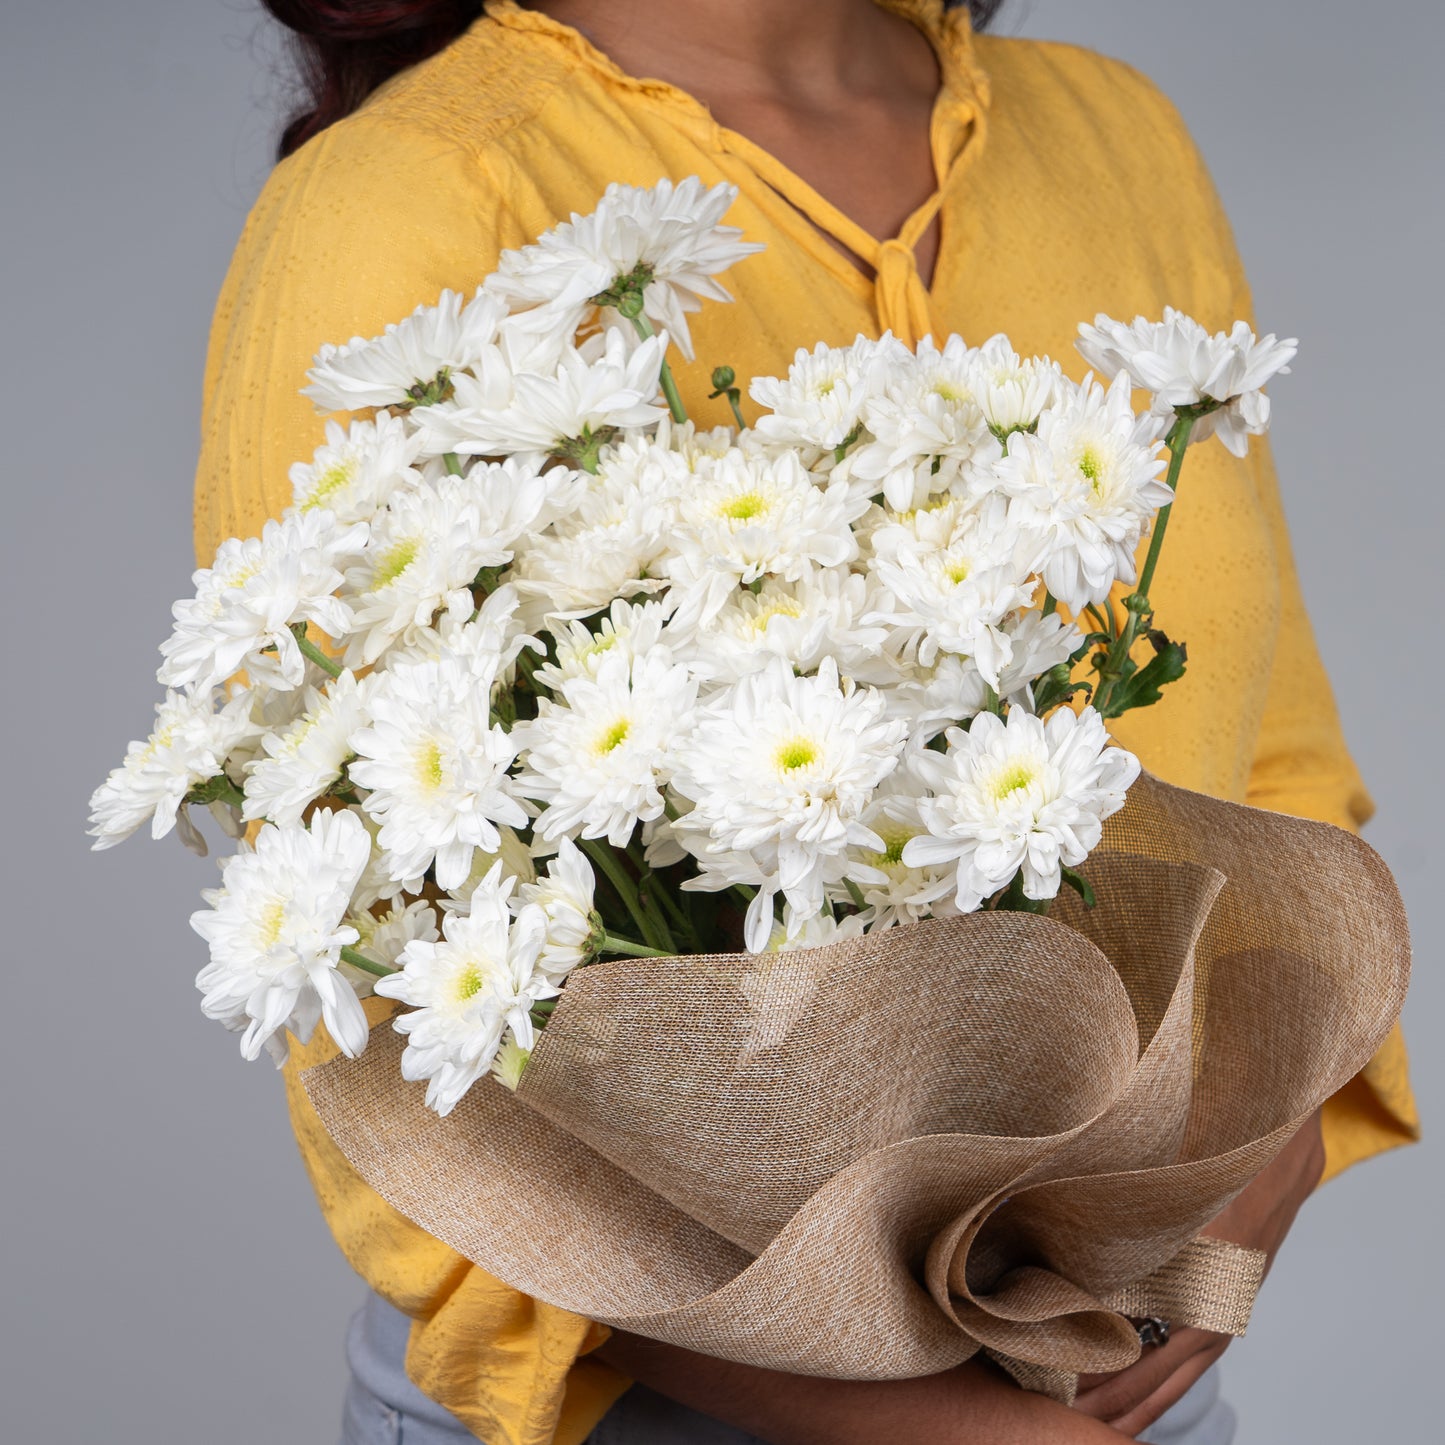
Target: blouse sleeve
x,y
1302,766
359,227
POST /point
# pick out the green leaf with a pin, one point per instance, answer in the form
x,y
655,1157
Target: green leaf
x,y
1056,687
1143,686
1081,886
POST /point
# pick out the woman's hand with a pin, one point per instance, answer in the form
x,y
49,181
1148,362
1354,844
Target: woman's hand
x,y
971,1405
1260,1217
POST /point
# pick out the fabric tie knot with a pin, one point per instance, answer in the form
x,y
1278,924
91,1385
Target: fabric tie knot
x,y
901,298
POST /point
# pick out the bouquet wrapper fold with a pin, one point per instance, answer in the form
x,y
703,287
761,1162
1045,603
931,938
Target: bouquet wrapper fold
x,y
873,1160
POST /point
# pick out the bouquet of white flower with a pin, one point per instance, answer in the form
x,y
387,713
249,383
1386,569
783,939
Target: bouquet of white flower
x,y
797,683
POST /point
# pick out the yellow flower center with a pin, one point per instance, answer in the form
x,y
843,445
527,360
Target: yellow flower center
x,y
332,480
744,507
1092,468
603,642
470,982
795,753
272,921
395,560
957,570
1013,778
776,607
613,737
895,839
430,772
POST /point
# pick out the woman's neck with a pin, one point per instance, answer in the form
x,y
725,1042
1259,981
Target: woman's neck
x,y
807,52
840,91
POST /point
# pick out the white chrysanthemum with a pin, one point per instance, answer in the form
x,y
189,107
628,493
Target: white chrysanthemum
x,y
276,930
189,745
1090,483
613,543
564,894
1025,796
950,587
302,761
410,362
249,598
699,448
1014,393
745,517
817,616
593,393
459,423
892,891
509,1064
383,937
628,629
486,641
357,469
953,690
780,769
820,402
435,768
1183,365
515,856
271,711
815,932
925,428
600,756
469,992
430,543
665,239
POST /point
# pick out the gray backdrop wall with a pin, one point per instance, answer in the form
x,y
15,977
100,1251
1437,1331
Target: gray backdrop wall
x,y
166,1275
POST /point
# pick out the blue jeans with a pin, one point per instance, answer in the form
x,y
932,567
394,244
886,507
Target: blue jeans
x,y
383,1407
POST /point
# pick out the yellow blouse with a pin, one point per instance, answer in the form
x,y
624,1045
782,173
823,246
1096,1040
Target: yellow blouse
x,y
1067,185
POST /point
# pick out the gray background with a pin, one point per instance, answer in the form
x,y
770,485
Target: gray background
x,y
167,1277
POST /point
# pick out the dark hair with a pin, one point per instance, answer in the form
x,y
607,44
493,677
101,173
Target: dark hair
x,y
346,48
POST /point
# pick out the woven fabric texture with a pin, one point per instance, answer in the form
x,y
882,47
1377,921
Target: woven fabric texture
x,y
874,1159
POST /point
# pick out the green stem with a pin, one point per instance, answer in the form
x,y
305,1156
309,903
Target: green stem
x,y
1014,900
611,865
365,964
454,466
1178,444
328,665
612,944
737,411
219,789
527,666
670,905
665,377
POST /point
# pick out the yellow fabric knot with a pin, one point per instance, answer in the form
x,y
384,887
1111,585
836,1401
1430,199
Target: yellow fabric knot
x,y
902,302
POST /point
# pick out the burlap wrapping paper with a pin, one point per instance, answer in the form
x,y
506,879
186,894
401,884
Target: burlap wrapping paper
x,y
872,1160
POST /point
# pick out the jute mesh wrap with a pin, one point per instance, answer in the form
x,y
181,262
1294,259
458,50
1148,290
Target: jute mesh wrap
x,y
875,1159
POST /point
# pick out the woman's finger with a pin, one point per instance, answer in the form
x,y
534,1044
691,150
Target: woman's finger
x,y
1108,1397
1170,1393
